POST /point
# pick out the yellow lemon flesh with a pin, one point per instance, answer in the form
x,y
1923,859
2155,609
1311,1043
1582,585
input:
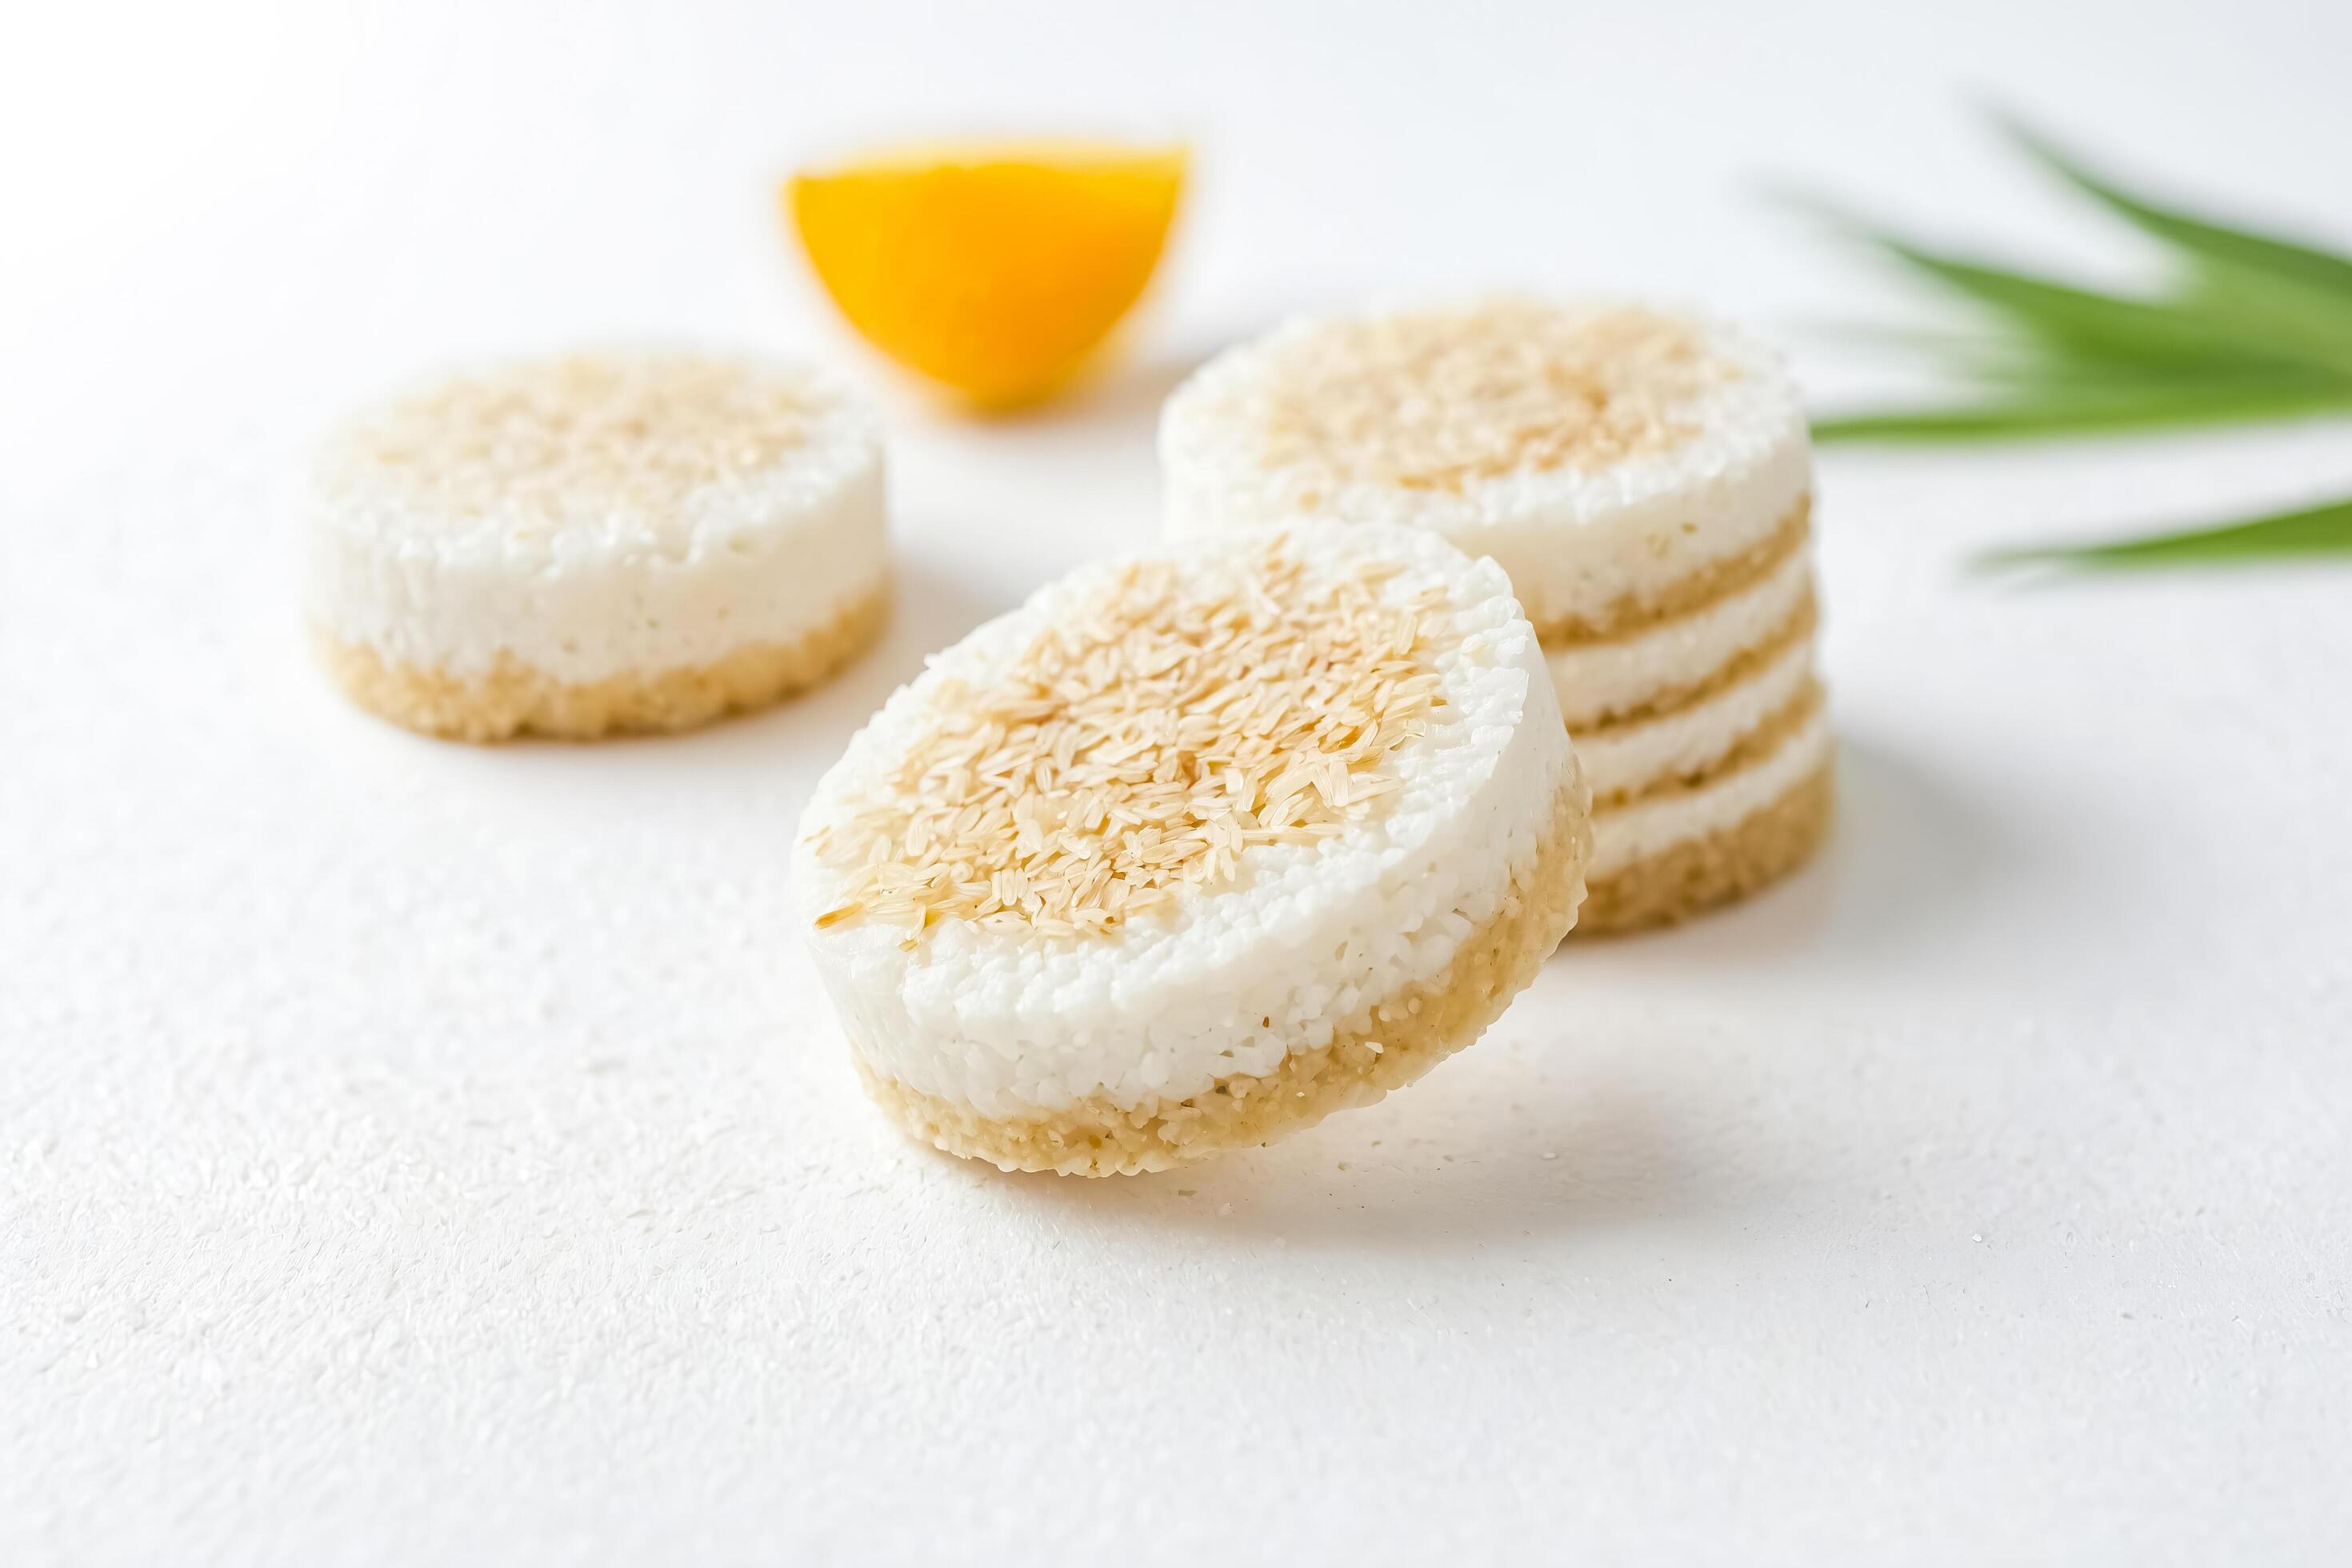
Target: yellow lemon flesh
x,y
995,271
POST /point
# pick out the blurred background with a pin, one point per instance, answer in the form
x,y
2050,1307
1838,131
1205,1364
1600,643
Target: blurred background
x,y
222,219
1986,1186
321,195
225,223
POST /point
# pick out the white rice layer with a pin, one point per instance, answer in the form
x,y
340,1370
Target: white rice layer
x,y
1641,828
1303,941
1621,758
1597,681
1577,541
448,548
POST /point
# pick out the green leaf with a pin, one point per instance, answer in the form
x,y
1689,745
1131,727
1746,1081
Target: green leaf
x,y
2226,323
2308,265
2056,408
2259,287
2263,307
2320,530
2060,314
2223,327
2257,328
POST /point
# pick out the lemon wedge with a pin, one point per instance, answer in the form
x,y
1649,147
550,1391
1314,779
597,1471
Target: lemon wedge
x,y
993,271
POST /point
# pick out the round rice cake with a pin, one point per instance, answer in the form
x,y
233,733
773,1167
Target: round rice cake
x,y
1195,848
1622,464
597,543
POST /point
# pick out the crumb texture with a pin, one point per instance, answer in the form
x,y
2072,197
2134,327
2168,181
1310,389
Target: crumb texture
x,y
1437,400
1709,584
1619,462
1776,730
606,519
1141,745
1327,749
1714,868
512,699
1407,1034
552,445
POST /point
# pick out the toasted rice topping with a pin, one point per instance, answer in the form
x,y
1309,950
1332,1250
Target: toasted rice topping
x,y
574,441
1434,400
1140,747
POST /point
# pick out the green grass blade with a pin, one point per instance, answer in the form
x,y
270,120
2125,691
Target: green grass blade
x,y
2221,331
2070,319
2039,370
2313,531
2262,307
2059,409
2308,265
2076,321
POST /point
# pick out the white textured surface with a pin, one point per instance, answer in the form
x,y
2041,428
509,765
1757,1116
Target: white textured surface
x,y
1641,828
418,1155
1621,675
1623,758
580,586
1578,542
1306,941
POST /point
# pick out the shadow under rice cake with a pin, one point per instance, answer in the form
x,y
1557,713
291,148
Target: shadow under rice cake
x,y
1195,848
1646,480
596,544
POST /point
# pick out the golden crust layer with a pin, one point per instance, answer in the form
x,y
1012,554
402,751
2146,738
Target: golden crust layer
x,y
513,699
1668,701
1756,746
1700,873
1408,1034
1699,589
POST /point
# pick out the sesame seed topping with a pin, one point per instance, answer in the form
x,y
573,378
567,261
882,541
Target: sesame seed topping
x,y
1145,746
1436,400
574,441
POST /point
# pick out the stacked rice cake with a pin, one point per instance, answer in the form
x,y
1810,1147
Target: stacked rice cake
x,y
1646,481
1195,848
597,543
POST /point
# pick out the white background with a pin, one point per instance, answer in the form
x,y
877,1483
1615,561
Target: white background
x,y
413,1153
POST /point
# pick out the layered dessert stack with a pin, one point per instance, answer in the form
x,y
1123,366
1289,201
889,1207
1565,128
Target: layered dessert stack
x,y
1645,480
